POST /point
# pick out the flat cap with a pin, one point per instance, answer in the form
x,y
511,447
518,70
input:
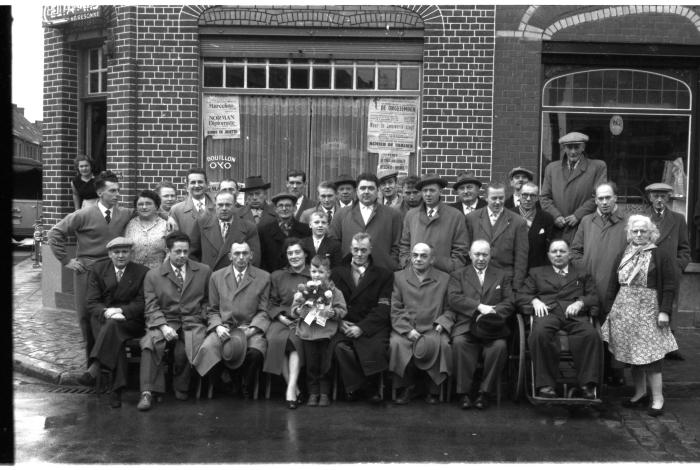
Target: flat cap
x,y
285,195
659,187
345,179
573,138
431,178
384,175
523,170
466,178
119,242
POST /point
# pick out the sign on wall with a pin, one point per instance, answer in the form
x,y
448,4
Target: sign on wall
x,y
222,117
57,15
393,161
391,125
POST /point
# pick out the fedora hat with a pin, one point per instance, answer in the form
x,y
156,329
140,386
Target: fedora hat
x,y
254,182
465,178
431,178
284,195
233,349
345,179
426,350
490,327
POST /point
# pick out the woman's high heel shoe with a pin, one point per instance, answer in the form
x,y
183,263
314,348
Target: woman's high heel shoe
x,y
642,402
292,404
654,412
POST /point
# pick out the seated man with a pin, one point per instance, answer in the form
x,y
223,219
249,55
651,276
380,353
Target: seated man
x,y
238,298
115,304
176,302
560,296
420,325
482,299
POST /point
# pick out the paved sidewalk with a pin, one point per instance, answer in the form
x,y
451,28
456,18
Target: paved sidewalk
x,y
48,343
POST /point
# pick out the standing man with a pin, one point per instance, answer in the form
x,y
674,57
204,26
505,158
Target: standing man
x,y
569,184
437,224
273,233
176,302
230,186
327,202
387,189
412,196
505,231
296,185
421,324
482,300
238,300
93,227
213,234
367,215
256,209
116,304
540,225
361,346
168,198
319,243
467,188
184,214
346,188
518,177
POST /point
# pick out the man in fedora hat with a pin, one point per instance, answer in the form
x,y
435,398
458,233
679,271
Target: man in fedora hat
x,y
273,233
238,300
569,184
389,196
518,176
115,304
346,187
437,224
467,188
419,311
197,204
673,237
412,196
482,300
256,208
296,185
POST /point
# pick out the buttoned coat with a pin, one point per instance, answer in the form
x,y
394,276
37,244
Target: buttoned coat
x,y
268,214
184,216
210,248
673,237
236,306
329,248
539,235
383,225
446,232
104,292
306,203
368,306
272,240
556,291
169,304
508,239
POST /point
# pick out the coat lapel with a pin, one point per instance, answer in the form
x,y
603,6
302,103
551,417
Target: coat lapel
x,y
485,223
489,280
501,224
473,279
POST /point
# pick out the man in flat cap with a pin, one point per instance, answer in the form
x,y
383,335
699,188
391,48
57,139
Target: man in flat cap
x,y
467,188
115,303
388,189
569,184
273,233
673,236
346,187
184,214
256,208
518,177
437,224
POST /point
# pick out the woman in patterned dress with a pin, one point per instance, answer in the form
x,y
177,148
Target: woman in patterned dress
x,y
637,326
147,230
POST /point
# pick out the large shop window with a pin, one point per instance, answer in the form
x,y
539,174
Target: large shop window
x,y
638,123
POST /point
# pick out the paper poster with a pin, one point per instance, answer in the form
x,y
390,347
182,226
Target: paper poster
x,y
394,161
222,117
391,125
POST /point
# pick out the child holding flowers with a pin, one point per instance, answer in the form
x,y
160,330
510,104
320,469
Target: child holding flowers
x,y
318,307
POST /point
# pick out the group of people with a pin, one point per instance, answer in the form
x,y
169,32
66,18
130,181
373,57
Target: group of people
x,y
376,278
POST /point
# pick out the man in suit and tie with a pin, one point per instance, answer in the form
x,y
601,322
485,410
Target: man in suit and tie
x,y
388,194
505,231
467,188
256,208
361,346
673,238
214,234
93,227
176,295
184,214
540,224
273,233
238,299
327,203
115,303
481,299
296,185
560,297
518,177
320,243
346,188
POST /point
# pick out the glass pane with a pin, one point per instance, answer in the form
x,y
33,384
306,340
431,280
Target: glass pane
x,y
300,78
94,59
234,77
213,75
255,60
365,78
278,77
321,61
322,78
409,79
343,78
94,83
387,79
278,61
103,82
256,77
301,61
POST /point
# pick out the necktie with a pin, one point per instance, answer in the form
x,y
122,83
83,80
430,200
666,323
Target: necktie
x,y
480,273
330,215
200,207
108,216
431,213
467,209
256,214
178,275
224,229
120,273
239,276
561,273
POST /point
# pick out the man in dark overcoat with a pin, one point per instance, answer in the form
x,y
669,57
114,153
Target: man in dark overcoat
x,y
273,233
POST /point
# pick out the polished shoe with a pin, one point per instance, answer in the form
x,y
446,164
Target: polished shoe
x,y
324,400
86,379
466,402
115,399
182,396
641,402
145,402
432,399
292,404
547,392
481,402
301,398
313,400
588,391
375,399
654,412
404,397
674,356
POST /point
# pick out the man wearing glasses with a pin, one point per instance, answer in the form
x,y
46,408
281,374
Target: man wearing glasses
x,y
568,185
540,225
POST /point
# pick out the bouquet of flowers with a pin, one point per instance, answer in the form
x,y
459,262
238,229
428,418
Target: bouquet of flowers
x,y
315,299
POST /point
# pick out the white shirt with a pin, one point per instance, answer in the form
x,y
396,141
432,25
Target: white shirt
x,y
239,274
494,217
480,274
564,270
516,200
317,242
199,204
182,270
103,209
341,205
117,270
434,211
468,208
366,212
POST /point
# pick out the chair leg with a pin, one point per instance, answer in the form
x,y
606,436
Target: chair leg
x,y
268,385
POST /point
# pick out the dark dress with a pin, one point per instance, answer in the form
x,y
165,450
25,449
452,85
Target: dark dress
x,y
84,189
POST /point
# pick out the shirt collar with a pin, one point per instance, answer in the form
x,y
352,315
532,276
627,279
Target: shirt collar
x,y
236,272
565,269
491,213
183,269
103,208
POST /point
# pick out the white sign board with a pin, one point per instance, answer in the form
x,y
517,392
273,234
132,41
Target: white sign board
x,y
222,117
393,161
391,125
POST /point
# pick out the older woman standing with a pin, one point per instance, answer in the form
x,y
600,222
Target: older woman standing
x,y
637,327
283,346
83,183
147,230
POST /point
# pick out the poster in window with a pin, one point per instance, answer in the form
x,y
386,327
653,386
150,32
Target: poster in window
x,y
391,125
222,117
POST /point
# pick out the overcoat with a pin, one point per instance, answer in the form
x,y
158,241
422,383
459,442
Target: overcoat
x,y
272,239
539,235
306,204
673,237
183,216
268,214
210,248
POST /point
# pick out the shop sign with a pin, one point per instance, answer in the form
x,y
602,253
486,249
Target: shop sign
x,y
393,161
616,125
222,117
56,15
391,125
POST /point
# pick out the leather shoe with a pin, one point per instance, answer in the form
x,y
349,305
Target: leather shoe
x,y
641,402
353,396
431,399
313,400
466,402
375,399
654,412
181,395
86,379
145,402
324,400
482,402
547,392
404,397
115,399
292,404
588,391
